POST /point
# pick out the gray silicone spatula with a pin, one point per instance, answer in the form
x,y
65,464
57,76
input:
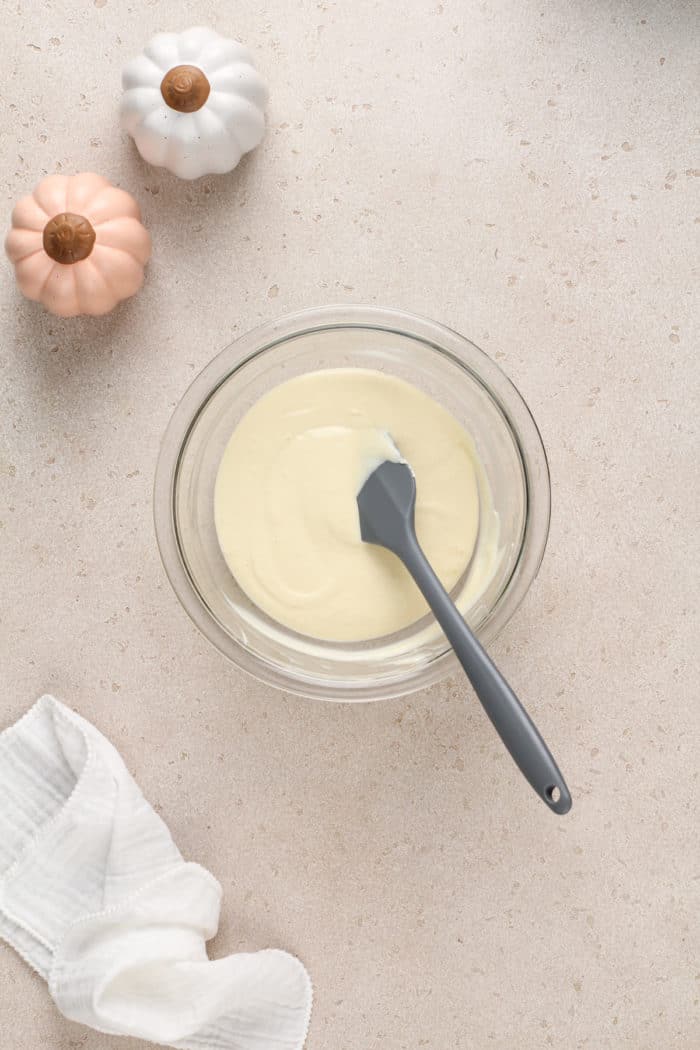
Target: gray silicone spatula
x,y
387,503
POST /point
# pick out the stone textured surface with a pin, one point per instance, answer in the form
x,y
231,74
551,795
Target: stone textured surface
x,y
526,174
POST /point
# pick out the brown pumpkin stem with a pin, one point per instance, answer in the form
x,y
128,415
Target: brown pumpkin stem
x,y
68,238
185,88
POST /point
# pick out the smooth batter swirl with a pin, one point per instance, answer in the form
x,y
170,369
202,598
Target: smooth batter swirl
x,y
285,501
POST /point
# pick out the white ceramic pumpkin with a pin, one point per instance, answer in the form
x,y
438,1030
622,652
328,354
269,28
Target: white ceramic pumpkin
x,y
193,102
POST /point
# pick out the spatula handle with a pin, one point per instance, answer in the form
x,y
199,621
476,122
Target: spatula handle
x,y
512,722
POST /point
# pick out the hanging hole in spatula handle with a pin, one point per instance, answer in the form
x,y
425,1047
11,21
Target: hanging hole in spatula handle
x,y
558,798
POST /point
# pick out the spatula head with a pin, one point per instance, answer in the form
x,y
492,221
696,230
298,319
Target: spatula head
x,y
387,506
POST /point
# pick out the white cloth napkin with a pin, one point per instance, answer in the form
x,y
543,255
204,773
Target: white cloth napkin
x,y
96,897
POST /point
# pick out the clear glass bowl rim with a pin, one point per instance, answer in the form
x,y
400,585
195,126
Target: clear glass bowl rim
x,y
440,338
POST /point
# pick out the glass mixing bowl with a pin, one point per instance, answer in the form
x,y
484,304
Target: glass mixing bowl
x,y
446,366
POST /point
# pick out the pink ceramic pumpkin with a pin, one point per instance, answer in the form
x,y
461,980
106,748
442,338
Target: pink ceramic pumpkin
x,y
78,245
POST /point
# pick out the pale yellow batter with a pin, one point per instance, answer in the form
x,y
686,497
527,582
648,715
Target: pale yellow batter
x,y
285,501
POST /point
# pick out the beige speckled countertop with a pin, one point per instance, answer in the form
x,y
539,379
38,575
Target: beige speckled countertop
x,y
526,174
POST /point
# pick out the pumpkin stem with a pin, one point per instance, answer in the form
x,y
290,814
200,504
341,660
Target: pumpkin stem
x,y
185,88
68,238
